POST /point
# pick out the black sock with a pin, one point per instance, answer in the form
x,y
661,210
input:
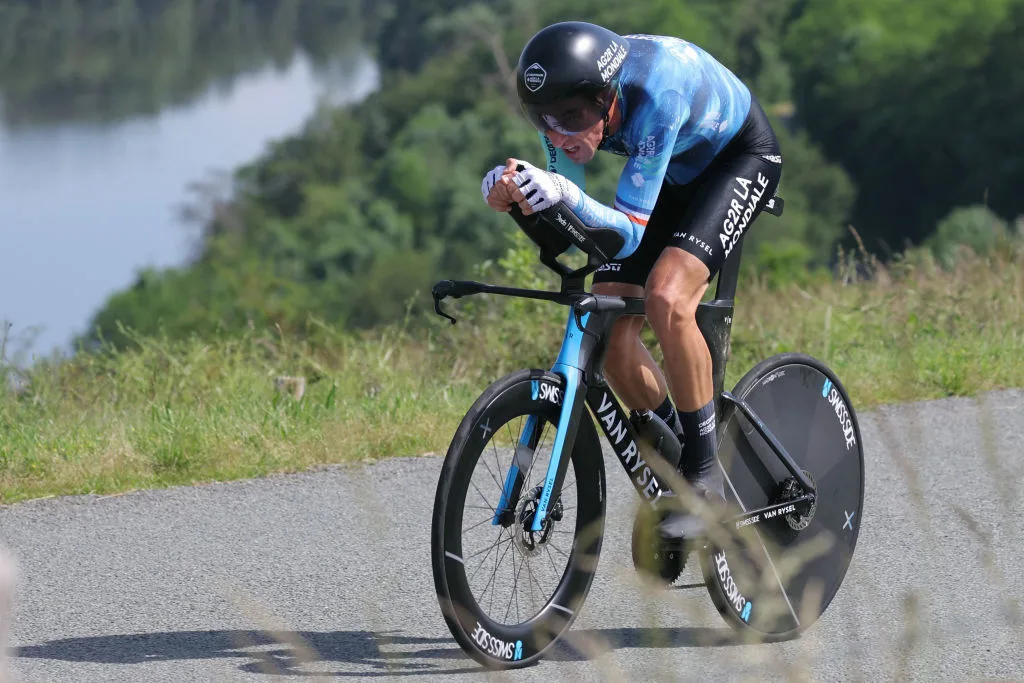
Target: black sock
x,y
700,445
667,412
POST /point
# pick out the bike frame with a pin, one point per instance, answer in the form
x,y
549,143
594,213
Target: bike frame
x,y
580,363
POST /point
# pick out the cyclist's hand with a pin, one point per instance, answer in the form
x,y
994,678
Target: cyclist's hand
x,y
536,189
497,186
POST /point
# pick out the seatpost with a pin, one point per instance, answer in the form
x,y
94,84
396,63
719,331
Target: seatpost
x,y
714,318
729,276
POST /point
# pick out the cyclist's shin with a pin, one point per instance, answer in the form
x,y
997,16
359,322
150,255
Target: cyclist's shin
x,y
698,457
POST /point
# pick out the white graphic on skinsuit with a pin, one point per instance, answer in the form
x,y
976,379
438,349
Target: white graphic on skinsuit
x,y
739,215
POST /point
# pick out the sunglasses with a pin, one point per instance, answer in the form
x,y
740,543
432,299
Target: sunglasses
x,y
567,117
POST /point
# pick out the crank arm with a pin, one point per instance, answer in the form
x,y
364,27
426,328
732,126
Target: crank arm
x,y
770,512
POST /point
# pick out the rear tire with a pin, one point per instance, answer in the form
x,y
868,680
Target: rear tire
x,y
775,578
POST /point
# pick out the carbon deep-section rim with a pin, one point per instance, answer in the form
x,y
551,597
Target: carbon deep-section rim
x,y
499,412
775,578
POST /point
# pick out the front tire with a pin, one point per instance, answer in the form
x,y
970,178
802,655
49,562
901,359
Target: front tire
x,y
497,633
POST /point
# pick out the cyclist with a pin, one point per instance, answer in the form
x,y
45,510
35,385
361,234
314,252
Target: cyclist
x,y
703,161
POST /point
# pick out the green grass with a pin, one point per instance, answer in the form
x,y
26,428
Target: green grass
x,y
200,410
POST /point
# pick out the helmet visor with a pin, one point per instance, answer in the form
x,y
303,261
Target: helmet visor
x,y
567,117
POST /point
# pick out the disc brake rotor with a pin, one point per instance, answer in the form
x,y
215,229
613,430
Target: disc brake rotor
x,y
530,542
792,490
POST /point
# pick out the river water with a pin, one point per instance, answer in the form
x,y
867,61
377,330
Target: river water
x,y
84,206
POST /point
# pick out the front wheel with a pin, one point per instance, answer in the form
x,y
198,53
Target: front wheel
x,y
506,591
778,573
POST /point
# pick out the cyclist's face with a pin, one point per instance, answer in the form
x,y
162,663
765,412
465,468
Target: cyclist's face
x,y
575,125
580,146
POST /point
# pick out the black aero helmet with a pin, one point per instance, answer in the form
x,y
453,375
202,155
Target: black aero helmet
x,y
567,74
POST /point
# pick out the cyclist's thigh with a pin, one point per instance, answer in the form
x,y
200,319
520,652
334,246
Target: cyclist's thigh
x,y
724,208
730,195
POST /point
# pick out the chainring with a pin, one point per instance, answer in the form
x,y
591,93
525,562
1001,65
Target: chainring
x,y
653,556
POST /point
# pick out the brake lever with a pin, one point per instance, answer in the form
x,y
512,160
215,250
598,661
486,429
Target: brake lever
x,y
441,291
586,305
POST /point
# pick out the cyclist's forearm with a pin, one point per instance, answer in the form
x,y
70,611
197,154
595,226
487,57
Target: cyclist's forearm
x,y
594,214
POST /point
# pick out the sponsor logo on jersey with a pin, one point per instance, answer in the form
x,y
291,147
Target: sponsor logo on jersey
x,y
648,147
552,154
712,120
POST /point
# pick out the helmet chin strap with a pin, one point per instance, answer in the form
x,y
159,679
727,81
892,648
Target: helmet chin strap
x,y
604,129
606,114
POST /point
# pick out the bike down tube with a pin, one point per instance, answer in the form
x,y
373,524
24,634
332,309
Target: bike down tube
x,y
625,442
621,435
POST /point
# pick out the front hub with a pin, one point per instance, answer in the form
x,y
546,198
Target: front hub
x,y
528,541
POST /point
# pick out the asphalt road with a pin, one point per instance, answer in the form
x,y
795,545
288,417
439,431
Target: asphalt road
x,y
327,574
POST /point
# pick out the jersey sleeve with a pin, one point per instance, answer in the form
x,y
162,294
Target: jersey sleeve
x,y
655,132
642,176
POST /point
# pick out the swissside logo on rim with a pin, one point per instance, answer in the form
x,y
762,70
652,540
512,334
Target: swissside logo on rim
x,y
534,77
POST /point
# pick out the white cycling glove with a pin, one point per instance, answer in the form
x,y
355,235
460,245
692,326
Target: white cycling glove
x,y
490,179
548,188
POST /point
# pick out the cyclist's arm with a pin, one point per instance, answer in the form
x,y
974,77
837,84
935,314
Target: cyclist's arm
x,y
640,182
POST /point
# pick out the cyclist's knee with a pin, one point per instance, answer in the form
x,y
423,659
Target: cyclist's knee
x,y
675,288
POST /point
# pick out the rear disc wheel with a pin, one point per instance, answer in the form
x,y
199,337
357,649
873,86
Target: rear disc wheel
x,y
775,578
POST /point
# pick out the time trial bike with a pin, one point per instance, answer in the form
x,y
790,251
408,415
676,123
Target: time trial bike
x,y
519,509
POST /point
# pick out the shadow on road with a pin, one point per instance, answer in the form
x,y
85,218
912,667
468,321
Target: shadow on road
x,y
582,644
287,653
371,654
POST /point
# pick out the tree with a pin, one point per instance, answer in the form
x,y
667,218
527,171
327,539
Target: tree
x,y
919,102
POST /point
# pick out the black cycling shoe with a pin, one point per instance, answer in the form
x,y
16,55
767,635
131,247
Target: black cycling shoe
x,y
690,525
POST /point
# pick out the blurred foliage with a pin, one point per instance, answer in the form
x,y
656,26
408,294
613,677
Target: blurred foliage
x,y
890,114
974,228
919,102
